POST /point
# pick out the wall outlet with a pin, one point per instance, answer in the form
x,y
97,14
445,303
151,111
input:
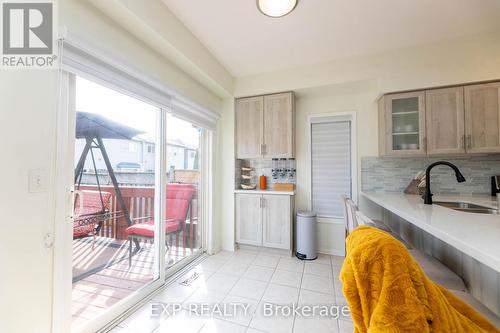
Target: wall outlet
x,y
37,180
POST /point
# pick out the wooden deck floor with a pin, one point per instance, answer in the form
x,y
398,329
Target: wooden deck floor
x,y
110,278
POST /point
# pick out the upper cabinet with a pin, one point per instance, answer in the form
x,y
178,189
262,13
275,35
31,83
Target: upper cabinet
x,y
403,124
249,127
482,118
265,126
454,120
445,121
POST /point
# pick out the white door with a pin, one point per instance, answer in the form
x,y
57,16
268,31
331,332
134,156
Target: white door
x,y
276,221
249,219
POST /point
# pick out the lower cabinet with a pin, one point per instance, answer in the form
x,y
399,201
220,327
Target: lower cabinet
x,y
249,219
264,220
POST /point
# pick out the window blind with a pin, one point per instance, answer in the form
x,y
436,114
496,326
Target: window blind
x,y
89,63
330,166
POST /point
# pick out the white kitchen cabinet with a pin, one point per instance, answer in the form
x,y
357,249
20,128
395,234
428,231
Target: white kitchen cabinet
x,y
265,126
264,220
249,219
276,230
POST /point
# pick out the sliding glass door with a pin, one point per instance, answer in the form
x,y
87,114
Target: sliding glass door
x,y
117,184
184,191
138,208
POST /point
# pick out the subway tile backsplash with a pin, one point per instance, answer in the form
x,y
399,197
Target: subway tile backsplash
x,y
392,174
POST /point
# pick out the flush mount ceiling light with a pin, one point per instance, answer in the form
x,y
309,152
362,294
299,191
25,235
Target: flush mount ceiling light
x,y
276,8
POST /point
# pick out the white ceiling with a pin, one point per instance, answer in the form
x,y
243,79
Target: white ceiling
x,y
247,42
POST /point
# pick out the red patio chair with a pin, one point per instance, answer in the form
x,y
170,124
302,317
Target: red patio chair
x,y
178,204
91,210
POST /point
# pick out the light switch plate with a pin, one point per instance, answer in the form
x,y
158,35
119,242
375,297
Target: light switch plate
x,y
37,180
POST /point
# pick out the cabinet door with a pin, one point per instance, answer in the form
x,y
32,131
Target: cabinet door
x,y
445,121
405,124
482,118
249,129
249,219
276,221
279,125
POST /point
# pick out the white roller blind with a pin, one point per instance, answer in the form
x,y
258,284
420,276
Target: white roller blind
x,y
330,166
89,63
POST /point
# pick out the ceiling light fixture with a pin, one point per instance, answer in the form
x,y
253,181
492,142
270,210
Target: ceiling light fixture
x,y
276,8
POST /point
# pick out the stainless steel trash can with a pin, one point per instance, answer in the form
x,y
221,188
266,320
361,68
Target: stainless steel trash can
x,y
306,236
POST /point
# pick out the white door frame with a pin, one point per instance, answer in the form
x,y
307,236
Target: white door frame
x,y
64,187
336,117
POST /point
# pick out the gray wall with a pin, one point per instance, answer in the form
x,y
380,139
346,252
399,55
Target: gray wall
x,y
392,174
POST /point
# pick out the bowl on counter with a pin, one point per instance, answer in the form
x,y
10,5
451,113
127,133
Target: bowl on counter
x,y
248,186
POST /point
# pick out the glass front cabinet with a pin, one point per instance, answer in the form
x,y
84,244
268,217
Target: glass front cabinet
x,y
402,124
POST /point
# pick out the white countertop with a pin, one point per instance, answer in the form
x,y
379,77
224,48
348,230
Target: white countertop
x,y
265,192
477,235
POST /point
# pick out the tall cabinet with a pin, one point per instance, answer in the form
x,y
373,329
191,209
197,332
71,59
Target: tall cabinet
x,y
265,126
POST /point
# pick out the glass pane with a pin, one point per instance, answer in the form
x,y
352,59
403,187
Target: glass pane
x,y
405,124
183,235
113,230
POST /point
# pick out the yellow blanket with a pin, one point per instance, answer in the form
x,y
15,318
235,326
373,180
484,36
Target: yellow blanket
x,y
387,291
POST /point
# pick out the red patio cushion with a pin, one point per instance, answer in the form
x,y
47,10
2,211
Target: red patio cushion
x,y
147,229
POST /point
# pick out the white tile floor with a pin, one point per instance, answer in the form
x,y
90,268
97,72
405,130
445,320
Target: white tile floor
x,y
254,279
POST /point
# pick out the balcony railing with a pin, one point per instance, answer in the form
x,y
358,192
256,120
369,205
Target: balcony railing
x,y
139,201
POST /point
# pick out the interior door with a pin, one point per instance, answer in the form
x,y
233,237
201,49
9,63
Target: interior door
x,y
249,122
276,221
482,118
278,125
249,219
445,121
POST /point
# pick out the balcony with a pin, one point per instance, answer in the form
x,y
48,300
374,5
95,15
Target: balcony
x,y
102,274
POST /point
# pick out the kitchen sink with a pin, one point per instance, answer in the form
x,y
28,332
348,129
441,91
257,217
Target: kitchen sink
x,y
467,207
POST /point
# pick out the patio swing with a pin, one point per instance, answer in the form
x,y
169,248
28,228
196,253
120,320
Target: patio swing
x,y
93,209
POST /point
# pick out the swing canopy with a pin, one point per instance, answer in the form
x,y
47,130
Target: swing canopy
x,y
91,125
93,208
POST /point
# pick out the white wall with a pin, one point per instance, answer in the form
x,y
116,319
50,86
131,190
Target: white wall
x,y
467,59
225,176
27,129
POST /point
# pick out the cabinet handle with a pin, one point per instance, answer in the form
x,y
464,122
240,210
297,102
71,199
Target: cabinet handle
x,y
264,149
263,202
469,141
462,141
260,202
